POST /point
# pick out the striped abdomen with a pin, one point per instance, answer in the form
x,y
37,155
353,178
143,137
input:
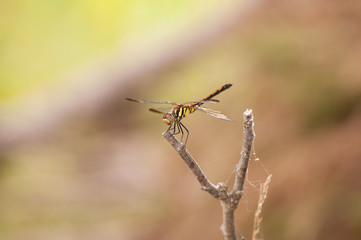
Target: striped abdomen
x,y
218,91
210,96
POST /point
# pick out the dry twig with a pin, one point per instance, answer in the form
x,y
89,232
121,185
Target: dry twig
x,y
229,200
257,215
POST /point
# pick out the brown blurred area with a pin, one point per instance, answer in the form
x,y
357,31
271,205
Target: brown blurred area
x,y
80,162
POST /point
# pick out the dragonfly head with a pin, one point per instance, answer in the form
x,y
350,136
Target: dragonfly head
x,y
168,118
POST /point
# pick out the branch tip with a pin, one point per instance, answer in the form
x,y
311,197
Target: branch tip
x,y
248,112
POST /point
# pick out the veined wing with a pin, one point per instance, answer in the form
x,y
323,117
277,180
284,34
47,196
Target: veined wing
x,y
147,101
214,113
160,110
203,101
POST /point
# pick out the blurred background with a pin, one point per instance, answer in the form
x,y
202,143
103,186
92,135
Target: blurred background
x,y
77,161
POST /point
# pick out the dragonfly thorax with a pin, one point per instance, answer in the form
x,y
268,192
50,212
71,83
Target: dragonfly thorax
x,y
168,118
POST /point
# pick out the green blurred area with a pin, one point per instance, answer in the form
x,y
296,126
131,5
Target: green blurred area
x,y
42,40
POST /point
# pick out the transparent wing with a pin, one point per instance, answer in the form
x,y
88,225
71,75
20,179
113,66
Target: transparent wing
x,y
147,101
204,101
160,110
214,113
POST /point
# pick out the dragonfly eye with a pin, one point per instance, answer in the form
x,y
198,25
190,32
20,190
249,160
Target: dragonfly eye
x,y
168,118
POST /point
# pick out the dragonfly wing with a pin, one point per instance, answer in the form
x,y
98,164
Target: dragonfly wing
x,y
210,101
147,101
214,113
160,110
203,102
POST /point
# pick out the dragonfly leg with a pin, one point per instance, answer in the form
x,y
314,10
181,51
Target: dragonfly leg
x,y
170,128
176,124
182,126
174,128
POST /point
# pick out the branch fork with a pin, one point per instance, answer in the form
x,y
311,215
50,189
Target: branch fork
x,y
229,200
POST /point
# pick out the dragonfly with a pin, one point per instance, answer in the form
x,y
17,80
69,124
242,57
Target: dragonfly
x,y
174,116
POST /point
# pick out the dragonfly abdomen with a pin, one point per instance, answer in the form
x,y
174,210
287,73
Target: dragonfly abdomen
x,y
218,91
210,96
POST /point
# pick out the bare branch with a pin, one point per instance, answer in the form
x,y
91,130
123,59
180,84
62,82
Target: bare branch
x,y
242,166
230,204
257,216
192,164
228,226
